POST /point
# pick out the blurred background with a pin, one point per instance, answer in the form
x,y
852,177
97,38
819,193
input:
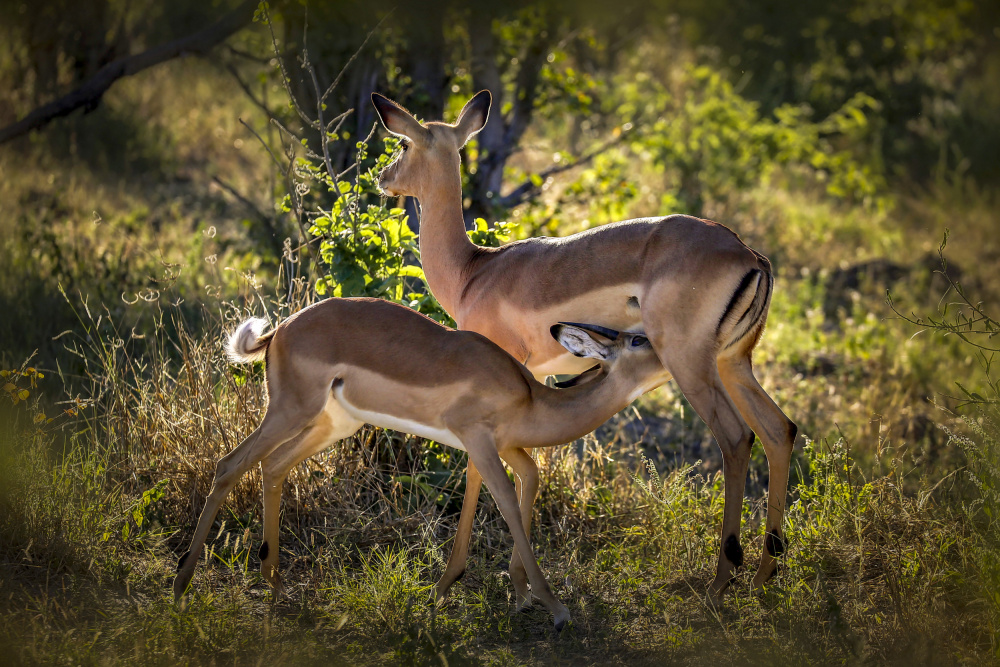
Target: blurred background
x,y
167,168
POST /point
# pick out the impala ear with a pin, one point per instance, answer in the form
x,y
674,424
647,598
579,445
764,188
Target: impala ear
x,y
579,341
396,119
474,115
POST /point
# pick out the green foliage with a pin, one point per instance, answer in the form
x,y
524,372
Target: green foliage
x,y
890,558
833,495
969,321
364,245
718,143
982,448
145,512
918,58
367,249
492,237
630,554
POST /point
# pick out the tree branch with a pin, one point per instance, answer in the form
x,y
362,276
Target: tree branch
x,y
246,90
90,92
527,87
528,188
263,218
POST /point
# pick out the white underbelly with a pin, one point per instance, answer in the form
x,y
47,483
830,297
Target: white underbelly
x,y
384,420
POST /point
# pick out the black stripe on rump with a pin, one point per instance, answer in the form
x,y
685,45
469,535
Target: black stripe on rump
x,y
744,285
754,311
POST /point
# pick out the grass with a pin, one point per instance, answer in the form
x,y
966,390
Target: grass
x,y
106,462
121,210
885,565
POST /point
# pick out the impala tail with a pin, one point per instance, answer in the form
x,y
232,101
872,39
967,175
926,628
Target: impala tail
x,y
247,344
746,313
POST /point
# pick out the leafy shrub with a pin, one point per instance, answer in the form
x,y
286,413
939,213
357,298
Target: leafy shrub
x,y
969,321
717,141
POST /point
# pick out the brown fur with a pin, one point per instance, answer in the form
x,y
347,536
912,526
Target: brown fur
x,y
684,272
342,362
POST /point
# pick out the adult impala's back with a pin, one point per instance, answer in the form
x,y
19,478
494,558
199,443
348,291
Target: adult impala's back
x,y
699,293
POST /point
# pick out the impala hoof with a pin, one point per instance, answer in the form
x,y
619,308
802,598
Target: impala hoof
x,y
716,592
179,586
562,617
762,577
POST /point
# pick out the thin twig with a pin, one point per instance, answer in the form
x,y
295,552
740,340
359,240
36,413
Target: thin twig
x,y
240,198
528,187
343,69
285,79
324,139
263,143
246,89
246,55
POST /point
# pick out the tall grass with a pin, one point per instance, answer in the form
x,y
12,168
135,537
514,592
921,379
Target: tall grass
x,y
105,464
96,506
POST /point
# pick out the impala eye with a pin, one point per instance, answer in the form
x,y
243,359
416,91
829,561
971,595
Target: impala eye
x,y
405,146
639,341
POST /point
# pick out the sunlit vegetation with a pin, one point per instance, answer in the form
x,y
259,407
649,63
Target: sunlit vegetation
x,y
841,141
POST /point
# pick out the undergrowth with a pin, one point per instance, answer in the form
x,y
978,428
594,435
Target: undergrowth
x,y
100,493
109,436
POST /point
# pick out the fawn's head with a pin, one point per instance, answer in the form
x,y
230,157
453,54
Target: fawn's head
x,y
429,149
615,351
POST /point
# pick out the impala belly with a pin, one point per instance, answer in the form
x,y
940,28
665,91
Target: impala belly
x,y
616,307
404,424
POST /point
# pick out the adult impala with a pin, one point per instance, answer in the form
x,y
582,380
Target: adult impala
x,y
697,291
340,363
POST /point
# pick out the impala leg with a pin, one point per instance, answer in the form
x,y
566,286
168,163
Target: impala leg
x,y
482,451
332,425
460,547
272,483
526,488
698,378
276,428
777,434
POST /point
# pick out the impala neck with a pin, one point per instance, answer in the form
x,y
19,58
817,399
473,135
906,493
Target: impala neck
x,y
445,248
558,416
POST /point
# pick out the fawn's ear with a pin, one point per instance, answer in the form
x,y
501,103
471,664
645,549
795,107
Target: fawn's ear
x,y
579,341
396,119
473,118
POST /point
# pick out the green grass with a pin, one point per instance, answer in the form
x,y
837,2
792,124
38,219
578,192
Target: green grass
x,y
892,522
885,565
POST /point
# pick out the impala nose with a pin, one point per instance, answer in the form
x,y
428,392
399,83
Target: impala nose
x,y
385,181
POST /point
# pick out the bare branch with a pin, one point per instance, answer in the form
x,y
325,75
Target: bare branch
x,y
324,136
353,57
246,90
263,143
252,207
261,216
246,55
89,94
285,79
528,189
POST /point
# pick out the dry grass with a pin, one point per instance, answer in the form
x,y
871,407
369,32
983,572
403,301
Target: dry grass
x,y
96,509
892,555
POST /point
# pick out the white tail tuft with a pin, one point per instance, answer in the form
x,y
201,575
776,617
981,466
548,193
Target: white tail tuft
x,y
246,343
